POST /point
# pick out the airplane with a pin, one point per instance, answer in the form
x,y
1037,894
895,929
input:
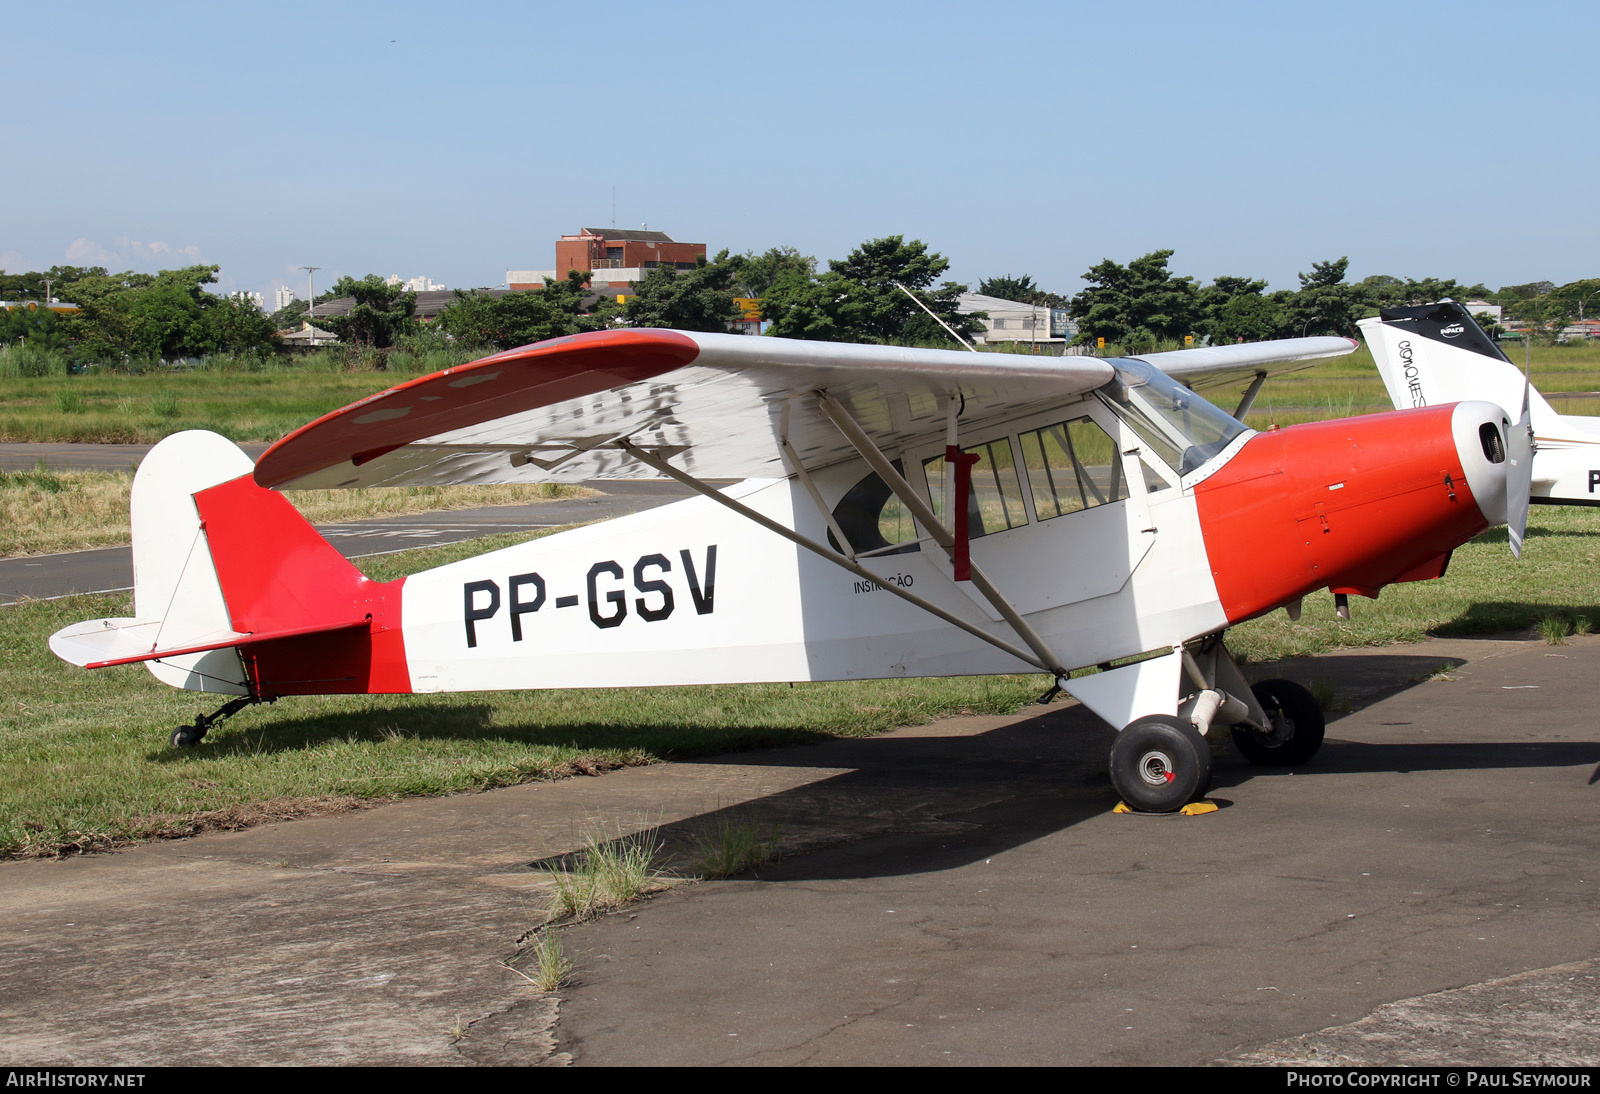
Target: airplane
x,y
901,512
1437,353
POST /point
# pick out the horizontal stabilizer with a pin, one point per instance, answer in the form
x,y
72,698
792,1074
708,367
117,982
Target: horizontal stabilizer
x,y
102,643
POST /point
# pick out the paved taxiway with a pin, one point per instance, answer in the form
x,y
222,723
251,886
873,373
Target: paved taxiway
x,y
1424,892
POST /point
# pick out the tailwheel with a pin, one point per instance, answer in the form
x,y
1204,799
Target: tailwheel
x,y
1160,764
189,736
1296,721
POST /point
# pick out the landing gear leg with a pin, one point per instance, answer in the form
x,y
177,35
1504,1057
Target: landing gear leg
x,y
191,735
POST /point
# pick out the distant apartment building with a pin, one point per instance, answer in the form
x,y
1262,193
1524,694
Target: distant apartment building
x,y
416,284
282,298
249,298
612,258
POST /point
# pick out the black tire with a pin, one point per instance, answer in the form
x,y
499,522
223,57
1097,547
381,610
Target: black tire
x,y
186,736
1160,764
1297,726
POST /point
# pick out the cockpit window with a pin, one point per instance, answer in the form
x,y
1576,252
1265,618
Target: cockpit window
x,y
1072,466
873,519
1181,428
994,499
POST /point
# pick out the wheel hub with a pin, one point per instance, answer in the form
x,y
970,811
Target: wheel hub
x,y
1155,768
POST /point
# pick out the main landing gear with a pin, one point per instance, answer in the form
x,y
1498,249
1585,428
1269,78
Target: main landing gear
x,y
1161,763
1295,731
191,735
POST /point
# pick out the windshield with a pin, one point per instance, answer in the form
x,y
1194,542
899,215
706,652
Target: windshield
x,y
1181,427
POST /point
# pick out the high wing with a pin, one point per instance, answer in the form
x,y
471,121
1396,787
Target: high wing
x,y
1219,366
559,410
556,410
1246,365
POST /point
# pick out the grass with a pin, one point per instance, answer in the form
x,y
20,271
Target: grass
x,y
43,511
1554,629
140,408
611,870
551,965
1350,385
731,844
1325,694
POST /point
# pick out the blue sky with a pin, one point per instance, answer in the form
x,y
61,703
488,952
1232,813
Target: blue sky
x,y
1420,139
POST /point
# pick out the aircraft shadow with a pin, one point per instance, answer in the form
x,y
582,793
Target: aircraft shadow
x,y
923,804
464,722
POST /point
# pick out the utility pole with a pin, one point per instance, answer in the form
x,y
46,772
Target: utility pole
x,y
311,302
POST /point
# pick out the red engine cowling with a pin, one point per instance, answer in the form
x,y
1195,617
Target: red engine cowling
x,y
1352,504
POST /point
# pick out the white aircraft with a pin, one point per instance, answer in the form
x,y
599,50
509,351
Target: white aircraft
x,y
1437,353
904,512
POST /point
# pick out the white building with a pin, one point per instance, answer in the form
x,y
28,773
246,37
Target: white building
x,y
249,298
416,284
283,297
1010,321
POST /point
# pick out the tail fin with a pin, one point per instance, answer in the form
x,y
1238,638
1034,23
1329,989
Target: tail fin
x,y
1437,353
234,592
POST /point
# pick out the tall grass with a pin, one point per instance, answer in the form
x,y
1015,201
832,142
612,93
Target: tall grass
x,y
24,361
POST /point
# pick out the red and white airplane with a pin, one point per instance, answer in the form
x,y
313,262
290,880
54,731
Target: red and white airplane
x,y
903,512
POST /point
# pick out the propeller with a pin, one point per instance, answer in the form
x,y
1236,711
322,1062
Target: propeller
x,y
1519,468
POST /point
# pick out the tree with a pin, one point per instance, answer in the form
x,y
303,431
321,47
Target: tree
x,y
521,318
380,313
291,315
858,299
1234,309
1383,291
1543,316
1140,303
238,326
1325,304
1022,290
699,299
34,325
760,274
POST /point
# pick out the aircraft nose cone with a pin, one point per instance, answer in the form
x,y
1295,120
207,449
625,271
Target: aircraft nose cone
x,y
1480,430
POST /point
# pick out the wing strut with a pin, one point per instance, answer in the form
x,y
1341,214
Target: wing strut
x,y
652,459
875,458
1249,399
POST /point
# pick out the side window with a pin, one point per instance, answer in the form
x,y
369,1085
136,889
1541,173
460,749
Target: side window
x,y
1072,466
873,519
994,503
1152,478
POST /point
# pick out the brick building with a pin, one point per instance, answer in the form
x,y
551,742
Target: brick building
x,y
612,257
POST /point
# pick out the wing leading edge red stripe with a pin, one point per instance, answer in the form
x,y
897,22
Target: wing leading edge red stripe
x,y
509,382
